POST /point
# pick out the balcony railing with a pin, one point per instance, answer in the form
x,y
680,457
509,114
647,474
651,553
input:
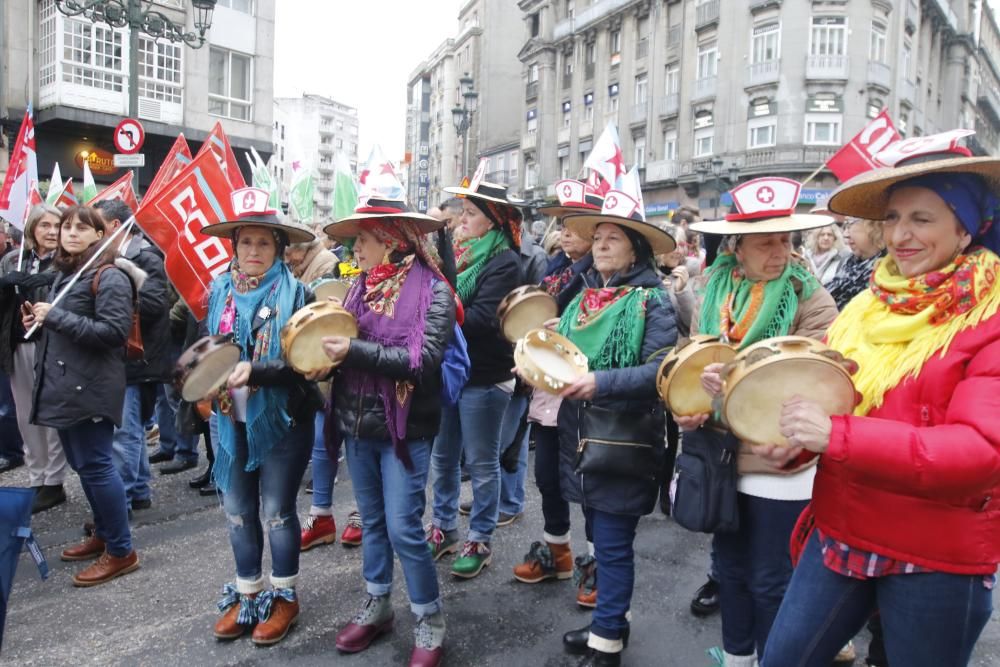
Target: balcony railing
x,y
673,36
324,184
531,90
584,17
567,81
762,73
880,74
767,159
661,170
642,48
706,13
989,99
670,104
529,140
325,149
563,135
325,166
585,128
638,113
911,15
907,91
588,71
827,67
704,87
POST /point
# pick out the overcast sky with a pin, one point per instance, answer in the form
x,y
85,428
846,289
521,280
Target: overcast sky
x,y
360,52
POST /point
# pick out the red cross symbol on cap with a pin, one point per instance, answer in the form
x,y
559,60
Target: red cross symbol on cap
x,y
567,190
249,201
765,195
611,201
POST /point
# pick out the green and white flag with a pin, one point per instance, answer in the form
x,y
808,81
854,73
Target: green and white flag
x,y
55,186
89,186
300,196
263,179
345,191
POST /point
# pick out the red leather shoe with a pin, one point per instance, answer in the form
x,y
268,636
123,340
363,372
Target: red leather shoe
x,y
351,537
92,547
318,530
374,620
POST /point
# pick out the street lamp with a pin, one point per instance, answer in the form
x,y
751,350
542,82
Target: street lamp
x,y
461,116
715,168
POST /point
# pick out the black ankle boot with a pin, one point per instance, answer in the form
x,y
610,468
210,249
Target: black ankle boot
x,y
201,480
601,659
575,641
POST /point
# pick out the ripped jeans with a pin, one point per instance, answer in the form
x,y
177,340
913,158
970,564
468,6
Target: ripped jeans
x,y
268,493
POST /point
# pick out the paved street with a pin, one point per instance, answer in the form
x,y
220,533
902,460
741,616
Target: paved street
x,y
163,614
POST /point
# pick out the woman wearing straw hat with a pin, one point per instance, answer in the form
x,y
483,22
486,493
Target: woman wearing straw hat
x,y
753,291
386,405
265,419
907,494
623,322
864,238
488,269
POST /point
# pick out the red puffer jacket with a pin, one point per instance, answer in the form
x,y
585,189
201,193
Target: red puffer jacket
x,y
918,479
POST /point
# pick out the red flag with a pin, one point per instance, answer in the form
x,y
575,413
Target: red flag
x,y
120,189
67,197
859,153
178,158
21,172
218,144
596,184
173,218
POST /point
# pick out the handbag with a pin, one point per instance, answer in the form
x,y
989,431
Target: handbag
x,y
455,367
620,442
705,483
133,347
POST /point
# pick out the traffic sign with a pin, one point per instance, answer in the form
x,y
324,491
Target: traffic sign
x,y
129,136
130,160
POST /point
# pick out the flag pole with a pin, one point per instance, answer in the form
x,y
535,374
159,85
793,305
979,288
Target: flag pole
x,y
86,265
813,175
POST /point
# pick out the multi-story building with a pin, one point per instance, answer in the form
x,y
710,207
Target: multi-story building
x,y
704,97
484,51
75,75
312,130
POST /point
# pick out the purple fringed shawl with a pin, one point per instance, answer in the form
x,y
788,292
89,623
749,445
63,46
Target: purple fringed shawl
x,y
404,329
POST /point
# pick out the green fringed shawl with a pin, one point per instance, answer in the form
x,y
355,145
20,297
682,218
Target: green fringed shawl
x,y
473,255
611,337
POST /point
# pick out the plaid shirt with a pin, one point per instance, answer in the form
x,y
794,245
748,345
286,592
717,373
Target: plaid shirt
x,y
860,564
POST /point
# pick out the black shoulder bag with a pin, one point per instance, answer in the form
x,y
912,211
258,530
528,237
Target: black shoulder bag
x,y
622,443
705,494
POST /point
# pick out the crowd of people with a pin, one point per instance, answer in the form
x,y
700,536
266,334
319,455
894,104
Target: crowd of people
x,y
887,516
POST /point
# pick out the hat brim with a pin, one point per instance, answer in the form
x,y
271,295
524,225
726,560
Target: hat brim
x,y
867,194
474,194
295,232
351,225
786,223
659,240
562,211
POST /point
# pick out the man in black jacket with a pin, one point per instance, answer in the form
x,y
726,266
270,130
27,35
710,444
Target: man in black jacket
x,y
144,266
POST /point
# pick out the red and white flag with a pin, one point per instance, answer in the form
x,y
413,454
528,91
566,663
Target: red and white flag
x,y
173,217
606,158
596,184
218,144
120,189
67,196
378,178
858,155
177,158
22,171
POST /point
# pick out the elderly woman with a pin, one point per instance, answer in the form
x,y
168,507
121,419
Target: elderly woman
x,y
824,248
678,269
753,291
27,277
907,493
622,321
265,420
310,260
488,269
864,239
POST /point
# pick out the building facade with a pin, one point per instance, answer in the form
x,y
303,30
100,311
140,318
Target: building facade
x,y
704,98
312,129
75,75
484,49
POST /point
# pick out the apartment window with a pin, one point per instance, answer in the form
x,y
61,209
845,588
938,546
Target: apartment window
x,y
564,167
501,162
588,107
568,64
639,151
566,113
93,54
530,175
613,98
641,88
670,145
534,24
673,80
616,42
340,143
513,167
903,124
229,87
160,70
708,61
877,43
823,129
703,141
532,122
766,42
762,132
532,72
245,6
591,53
828,36
641,38
570,9
906,57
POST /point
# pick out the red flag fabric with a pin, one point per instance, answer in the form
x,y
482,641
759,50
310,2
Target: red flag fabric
x,y
67,198
120,189
218,144
596,184
21,172
173,217
858,155
177,158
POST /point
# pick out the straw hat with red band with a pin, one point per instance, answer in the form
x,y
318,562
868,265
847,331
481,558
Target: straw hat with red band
x,y
250,208
574,197
384,210
622,209
486,191
764,206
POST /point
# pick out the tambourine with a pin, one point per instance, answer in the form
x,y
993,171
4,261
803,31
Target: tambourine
x,y
678,381
204,367
525,308
302,336
758,381
335,287
548,361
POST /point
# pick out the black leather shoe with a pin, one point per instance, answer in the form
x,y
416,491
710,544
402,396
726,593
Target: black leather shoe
x,y
161,457
9,464
575,641
208,490
48,497
201,480
601,659
706,600
177,466
142,504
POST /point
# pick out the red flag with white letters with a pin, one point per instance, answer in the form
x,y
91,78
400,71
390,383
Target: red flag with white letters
x,y
217,143
858,155
21,173
173,217
177,158
120,189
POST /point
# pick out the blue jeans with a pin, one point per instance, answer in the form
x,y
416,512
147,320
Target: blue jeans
x,y
11,445
753,566
512,483
929,619
268,492
130,455
391,501
555,510
172,442
473,425
324,469
614,535
88,452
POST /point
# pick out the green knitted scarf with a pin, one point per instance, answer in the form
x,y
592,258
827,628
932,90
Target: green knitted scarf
x,y
610,336
472,255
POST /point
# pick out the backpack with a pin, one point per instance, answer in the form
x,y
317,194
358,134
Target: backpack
x,y
455,367
133,347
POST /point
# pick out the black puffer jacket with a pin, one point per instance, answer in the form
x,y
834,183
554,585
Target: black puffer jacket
x,y
491,355
364,416
31,284
624,390
154,315
80,358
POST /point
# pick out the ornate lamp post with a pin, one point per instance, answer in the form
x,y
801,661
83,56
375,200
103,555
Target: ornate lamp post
x,y
716,170
461,116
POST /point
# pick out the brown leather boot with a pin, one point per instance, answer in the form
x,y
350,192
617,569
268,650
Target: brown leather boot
x,y
545,561
228,626
275,626
106,568
92,547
